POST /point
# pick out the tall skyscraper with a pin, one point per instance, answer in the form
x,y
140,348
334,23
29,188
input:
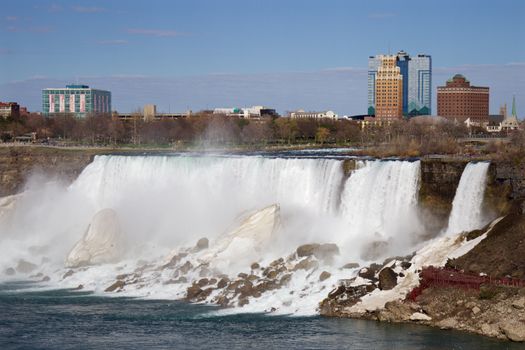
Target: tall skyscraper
x,y
388,89
417,83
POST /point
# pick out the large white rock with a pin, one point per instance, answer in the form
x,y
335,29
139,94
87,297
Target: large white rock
x,y
101,242
257,228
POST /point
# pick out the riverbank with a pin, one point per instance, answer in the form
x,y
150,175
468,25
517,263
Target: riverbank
x,y
474,282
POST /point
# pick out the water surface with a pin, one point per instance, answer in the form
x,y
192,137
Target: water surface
x,y
64,319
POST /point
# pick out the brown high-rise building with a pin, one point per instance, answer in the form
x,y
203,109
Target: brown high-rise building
x,y
459,99
389,89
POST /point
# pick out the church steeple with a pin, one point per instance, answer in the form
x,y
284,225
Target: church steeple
x,y
514,106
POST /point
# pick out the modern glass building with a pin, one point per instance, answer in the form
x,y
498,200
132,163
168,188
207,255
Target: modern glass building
x,y
417,83
78,100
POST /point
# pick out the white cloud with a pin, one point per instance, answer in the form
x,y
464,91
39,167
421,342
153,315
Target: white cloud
x,y
113,42
153,32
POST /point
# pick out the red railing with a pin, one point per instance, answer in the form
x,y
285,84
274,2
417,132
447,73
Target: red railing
x,y
432,276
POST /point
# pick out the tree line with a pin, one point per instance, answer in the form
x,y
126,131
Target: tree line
x,y
417,136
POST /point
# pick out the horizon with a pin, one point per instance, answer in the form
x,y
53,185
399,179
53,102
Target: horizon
x,y
203,54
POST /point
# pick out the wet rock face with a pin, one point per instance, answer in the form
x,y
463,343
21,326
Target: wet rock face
x,y
369,272
17,163
387,279
101,242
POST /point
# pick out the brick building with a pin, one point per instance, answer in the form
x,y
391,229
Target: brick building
x,y
458,99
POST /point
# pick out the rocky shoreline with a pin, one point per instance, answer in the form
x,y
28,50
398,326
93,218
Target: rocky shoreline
x,y
481,291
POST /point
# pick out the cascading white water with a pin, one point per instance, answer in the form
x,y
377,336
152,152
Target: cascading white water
x,y
379,202
165,202
466,212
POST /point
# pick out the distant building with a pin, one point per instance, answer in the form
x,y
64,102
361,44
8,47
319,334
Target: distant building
x,y
458,99
511,123
388,89
417,83
78,100
9,110
246,112
301,114
150,111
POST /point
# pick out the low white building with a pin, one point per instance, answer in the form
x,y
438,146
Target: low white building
x,y
301,114
246,112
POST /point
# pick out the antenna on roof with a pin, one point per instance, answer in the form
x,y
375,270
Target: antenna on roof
x,y
389,47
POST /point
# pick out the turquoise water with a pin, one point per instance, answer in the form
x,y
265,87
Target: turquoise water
x,y
63,319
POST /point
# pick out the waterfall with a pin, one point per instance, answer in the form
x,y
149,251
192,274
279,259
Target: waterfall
x,y
379,202
466,212
250,181
166,203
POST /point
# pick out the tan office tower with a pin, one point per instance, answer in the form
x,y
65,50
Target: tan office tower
x,y
389,89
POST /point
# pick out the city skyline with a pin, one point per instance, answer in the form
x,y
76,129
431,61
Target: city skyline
x,y
182,55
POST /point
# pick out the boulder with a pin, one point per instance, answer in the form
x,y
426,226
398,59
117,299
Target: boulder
x,y
350,266
68,274
324,276
306,264
223,282
448,323
514,330
369,272
186,267
395,311
418,316
324,251
202,244
203,282
25,266
101,242
307,249
193,292
387,279
258,227
118,285
255,266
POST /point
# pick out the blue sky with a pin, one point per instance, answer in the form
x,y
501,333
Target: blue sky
x,y
283,53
